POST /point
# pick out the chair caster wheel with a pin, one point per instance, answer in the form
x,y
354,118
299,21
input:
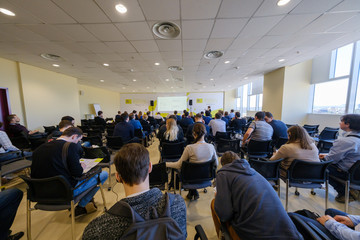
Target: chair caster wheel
x,y
205,190
313,193
297,193
109,188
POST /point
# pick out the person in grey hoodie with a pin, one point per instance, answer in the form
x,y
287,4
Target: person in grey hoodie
x,y
246,200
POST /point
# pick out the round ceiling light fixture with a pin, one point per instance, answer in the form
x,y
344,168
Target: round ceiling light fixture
x,y
121,8
7,12
175,68
283,2
213,54
51,57
166,30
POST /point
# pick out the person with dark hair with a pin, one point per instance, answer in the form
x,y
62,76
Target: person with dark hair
x,y
198,152
16,129
258,130
217,125
209,109
99,119
279,127
133,166
231,114
238,123
189,131
229,157
63,125
9,203
118,114
250,207
178,117
69,118
151,119
299,146
344,153
186,120
125,130
136,123
225,118
207,118
48,162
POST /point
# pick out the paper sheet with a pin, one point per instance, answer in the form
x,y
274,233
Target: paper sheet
x,y
89,163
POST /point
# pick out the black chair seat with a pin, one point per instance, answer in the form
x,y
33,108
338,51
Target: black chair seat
x,y
15,166
197,185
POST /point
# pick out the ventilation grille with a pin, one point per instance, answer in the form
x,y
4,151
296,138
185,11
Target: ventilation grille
x,y
166,30
213,54
51,57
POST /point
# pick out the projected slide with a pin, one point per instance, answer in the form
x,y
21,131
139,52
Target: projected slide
x,y
166,104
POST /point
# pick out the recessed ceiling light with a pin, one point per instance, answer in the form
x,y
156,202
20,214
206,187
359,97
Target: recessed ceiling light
x,y
134,80
211,79
7,12
282,2
131,70
147,87
121,8
123,87
167,79
281,60
204,86
245,77
226,62
106,64
133,90
102,80
171,87
157,64
56,65
229,86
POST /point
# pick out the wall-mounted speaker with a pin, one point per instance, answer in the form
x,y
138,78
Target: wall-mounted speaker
x,y
190,102
152,103
81,92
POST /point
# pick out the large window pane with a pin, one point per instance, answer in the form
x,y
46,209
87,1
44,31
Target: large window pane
x,y
238,101
252,103
357,103
330,97
260,101
343,60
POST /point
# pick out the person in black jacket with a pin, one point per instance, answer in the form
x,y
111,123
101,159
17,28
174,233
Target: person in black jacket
x,y
47,162
125,130
99,120
238,123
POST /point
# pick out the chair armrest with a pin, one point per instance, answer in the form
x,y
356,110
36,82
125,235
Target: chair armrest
x,y
225,231
200,233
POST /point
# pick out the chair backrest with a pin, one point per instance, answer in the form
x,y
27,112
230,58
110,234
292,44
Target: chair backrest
x,y
280,141
94,140
328,134
94,132
172,150
100,152
114,142
223,145
307,231
20,142
303,171
138,133
49,129
197,172
324,146
259,147
222,135
311,128
53,190
158,175
268,169
355,173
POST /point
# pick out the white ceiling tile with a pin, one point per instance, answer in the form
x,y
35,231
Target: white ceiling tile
x,y
228,28
270,8
199,9
121,47
96,47
268,42
347,6
169,45
21,33
107,57
145,46
22,16
134,12
260,26
218,44
154,56
194,45
191,63
77,32
132,57
196,29
292,24
318,6
105,32
171,55
238,8
348,26
74,47
48,31
192,55
232,53
135,30
161,9
244,42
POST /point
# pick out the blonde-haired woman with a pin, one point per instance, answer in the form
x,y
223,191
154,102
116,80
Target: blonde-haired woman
x,y
299,146
173,133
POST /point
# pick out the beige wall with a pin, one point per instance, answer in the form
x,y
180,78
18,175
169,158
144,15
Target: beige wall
x,y
273,92
296,94
9,78
229,100
48,96
109,101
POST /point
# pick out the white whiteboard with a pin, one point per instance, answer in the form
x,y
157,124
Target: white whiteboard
x,y
171,103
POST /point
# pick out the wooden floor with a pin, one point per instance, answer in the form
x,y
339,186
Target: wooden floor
x,y
57,225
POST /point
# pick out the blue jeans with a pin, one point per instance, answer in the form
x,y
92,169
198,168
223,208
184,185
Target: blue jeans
x,y
8,155
89,184
9,203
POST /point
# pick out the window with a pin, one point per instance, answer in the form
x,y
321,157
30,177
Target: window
x,y
252,103
260,101
342,63
330,97
357,103
238,103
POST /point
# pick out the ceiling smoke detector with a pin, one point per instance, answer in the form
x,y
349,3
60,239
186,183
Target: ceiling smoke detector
x,y
166,30
213,54
51,57
175,68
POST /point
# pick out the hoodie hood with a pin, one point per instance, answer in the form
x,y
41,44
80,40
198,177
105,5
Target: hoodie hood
x,y
238,166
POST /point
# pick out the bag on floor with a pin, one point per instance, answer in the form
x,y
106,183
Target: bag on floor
x,y
308,214
158,227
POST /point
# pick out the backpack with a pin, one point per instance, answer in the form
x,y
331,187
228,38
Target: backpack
x,y
308,214
159,227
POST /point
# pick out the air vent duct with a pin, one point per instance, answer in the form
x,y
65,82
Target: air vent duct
x,y
166,30
213,54
51,57
175,68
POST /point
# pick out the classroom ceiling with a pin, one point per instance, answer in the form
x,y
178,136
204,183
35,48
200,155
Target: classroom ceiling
x,y
253,35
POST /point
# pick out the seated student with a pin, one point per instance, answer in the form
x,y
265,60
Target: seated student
x,y
186,120
135,123
158,117
189,132
99,119
7,147
118,114
150,119
198,152
300,146
178,117
247,202
207,118
125,130
217,125
133,166
337,225
238,123
63,125
231,114
279,127
344,153
173,132
225,117
9,202
258,130
69,118
16,129
48,162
